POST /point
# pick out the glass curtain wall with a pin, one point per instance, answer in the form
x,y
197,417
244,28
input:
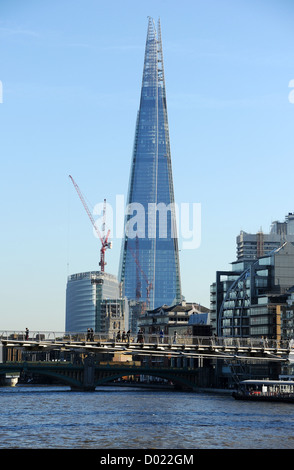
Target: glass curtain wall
x,y
149,265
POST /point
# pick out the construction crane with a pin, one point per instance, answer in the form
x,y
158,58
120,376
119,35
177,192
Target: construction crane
x,y
104,240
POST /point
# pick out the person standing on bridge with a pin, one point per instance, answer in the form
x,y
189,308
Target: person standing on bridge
x,y
27,334
140,338
175,337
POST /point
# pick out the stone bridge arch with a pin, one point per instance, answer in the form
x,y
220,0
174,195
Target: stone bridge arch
x,y
88,376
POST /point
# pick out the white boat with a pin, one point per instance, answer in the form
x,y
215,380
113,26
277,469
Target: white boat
x,y
265,390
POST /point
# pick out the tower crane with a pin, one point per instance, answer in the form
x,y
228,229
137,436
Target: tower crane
x,y
104,240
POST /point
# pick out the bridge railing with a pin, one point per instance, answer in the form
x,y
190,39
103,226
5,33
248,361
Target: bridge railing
x,y
222,342
185,340
21,335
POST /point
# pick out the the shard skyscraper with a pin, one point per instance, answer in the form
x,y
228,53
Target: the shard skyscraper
x,y
149,264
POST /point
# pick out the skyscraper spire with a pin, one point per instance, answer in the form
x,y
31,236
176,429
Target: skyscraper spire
x,y
150,242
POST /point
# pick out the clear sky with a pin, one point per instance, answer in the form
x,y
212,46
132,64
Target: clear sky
x,y
71,76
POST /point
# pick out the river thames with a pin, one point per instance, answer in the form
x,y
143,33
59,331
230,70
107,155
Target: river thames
x,y
41,417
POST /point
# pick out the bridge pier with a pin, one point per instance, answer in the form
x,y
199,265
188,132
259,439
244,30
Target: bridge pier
x,y
88,376
82,389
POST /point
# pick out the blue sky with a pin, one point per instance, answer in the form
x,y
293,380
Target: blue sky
x,y
71,74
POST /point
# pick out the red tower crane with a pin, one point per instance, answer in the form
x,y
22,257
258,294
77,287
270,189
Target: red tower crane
x,y
104,240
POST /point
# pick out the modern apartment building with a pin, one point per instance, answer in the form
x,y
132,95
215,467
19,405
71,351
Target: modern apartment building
x,y
287,316
248,300
149,265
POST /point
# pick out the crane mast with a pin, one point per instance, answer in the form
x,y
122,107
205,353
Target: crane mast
x,y
105,244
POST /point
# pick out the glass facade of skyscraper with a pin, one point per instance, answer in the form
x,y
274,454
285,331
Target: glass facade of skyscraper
x,y
149,265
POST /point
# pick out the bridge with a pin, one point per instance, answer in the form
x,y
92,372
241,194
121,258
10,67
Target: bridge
x,y
86,363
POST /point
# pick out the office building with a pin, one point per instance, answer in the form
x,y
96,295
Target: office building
x,y
93,300
253,246
149,265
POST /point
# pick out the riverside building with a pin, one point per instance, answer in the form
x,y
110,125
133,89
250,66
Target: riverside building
x,y
93,300
186,319
248,301
149,265
287,316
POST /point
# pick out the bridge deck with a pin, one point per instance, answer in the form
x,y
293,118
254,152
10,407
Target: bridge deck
x,y
187,346
83,368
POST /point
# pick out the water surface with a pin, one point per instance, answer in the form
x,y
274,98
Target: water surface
x,y
128,418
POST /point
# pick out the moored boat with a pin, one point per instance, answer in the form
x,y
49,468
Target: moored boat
x,y
265,390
